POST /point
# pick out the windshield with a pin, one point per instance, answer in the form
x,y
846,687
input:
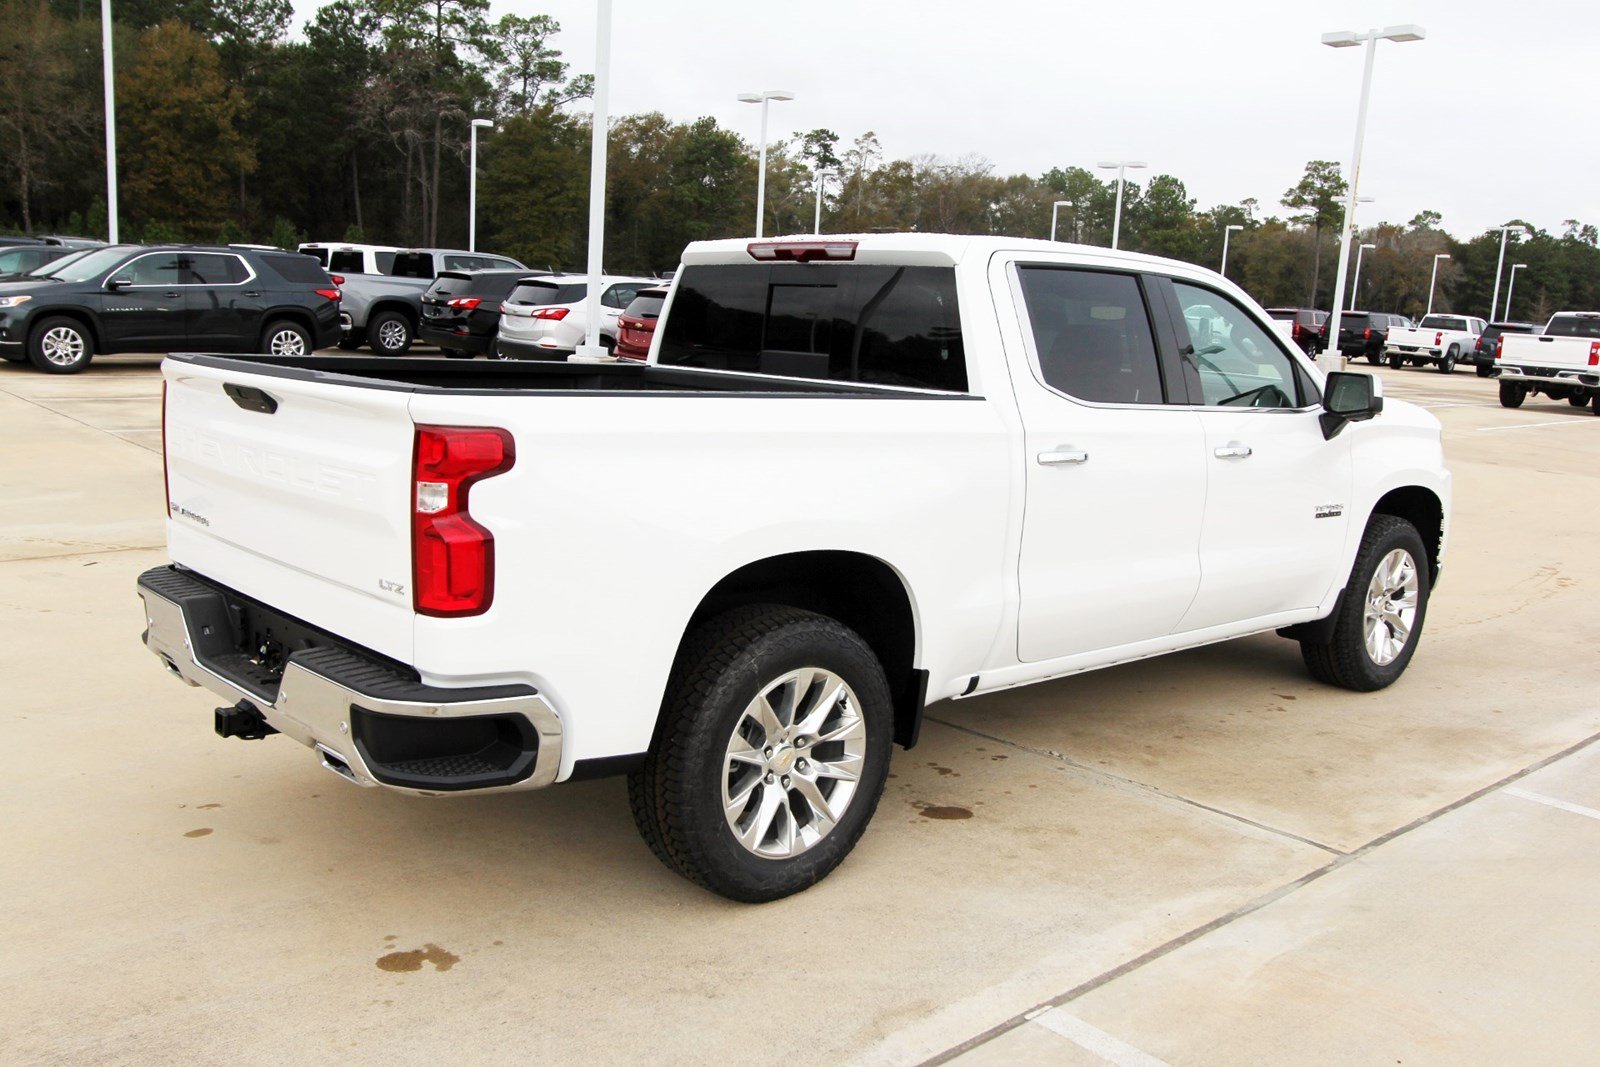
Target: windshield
x,y
1574,326
48,270
91,266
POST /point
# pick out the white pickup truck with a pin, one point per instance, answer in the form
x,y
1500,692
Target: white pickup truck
x,y
1563,363
1444,340
856,475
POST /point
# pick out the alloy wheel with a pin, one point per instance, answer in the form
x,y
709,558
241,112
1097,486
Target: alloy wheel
x,y
1391,609
287,343
62,346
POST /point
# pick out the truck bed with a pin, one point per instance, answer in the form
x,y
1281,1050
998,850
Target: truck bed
x,y
495,377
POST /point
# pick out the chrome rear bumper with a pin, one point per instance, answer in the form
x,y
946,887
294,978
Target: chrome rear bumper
x,y
327,697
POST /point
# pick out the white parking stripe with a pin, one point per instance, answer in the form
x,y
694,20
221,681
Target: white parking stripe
x,y
1095,1040
1540,798
1572,420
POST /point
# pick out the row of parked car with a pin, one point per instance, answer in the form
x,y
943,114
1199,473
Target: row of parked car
x,y
1443,341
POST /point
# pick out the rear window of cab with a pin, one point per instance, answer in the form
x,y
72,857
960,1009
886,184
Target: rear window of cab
x,y
881,325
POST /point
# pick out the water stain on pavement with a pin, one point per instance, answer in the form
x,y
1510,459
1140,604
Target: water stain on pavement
x,y
203,831
206,807
936,811
415,958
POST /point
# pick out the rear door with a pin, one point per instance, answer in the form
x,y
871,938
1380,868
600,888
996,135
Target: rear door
x,y
225,301
1115,477
295,492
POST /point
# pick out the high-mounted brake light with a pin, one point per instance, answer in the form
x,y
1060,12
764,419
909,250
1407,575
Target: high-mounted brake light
x,y
328,294
1594,353
465,303
452,555
556,314
801,251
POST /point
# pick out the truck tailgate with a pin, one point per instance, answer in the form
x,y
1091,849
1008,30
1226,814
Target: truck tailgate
x,y
296,493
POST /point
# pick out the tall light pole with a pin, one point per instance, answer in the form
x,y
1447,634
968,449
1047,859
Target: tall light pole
x,y
822,178
1121,166
591,351
764,98
472,185
1055,212
1508,228
1433,280
1227,232
1349,39
1511,285
1355,283
111,120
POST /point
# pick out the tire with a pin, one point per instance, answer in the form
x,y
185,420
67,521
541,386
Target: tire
x,y
352,340
285,337
1483,370
680,796
1374,358
1512,394
455,353
1578,400
1596,402
1396,362
1392,558
59,345
389,333
494,352
1447,365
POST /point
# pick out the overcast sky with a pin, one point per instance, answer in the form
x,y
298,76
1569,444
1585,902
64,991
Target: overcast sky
x,y
1493,116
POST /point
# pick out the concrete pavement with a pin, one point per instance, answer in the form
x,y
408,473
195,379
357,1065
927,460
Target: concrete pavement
x,y
1201,859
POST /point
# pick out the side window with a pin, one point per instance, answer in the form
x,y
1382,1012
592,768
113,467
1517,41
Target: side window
x,y
160,268
1239,364
207,269
619,296
1092,332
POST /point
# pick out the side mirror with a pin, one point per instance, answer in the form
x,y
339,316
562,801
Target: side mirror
x,y
1349,397
116,285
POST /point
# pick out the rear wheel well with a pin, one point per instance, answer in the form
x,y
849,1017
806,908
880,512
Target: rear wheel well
x,y
294,315
399,307
1422,509
861,591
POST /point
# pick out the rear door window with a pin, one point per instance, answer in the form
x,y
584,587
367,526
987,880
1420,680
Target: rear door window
x,y
204,268
1091,330
884,325
620,295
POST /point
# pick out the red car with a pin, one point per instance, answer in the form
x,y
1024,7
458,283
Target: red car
x,y
638,324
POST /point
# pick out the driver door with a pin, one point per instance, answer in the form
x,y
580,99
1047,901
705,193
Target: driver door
x,y
1277,494
148,314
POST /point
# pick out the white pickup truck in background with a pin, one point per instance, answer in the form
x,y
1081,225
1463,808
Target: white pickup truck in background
x,y
1563,363
1444,340
857,475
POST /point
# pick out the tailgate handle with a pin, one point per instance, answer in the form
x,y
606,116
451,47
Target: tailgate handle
x,y
250,398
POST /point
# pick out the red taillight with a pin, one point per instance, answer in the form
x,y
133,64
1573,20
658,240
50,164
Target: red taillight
x,y
1438,338
554,314
464,303
1594,353
337,279
1499,348
801,251
166,479
1294,331
452,556
328,294
1366,335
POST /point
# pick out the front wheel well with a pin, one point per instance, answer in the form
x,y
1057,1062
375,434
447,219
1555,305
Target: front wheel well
x,y
81,318
1422,509
861,591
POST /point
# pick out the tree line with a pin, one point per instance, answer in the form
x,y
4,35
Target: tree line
x,y
229,128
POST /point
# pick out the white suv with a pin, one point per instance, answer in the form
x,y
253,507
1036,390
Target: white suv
x,y
544,317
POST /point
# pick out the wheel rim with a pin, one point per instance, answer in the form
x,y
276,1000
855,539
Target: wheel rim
x,y
793,763
392,334
62,346
1391,607
287,343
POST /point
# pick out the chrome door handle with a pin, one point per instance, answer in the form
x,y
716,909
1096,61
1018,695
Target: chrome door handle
x,y
1233,450
252,293
1064,455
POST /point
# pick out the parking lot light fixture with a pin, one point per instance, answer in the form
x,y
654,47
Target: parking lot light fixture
x,y
1121,166
822,178
1511,285
111,120
591,351
1433,280
1355,283
1055,212
472,184
1349,39
1227,232
764,98
1505,231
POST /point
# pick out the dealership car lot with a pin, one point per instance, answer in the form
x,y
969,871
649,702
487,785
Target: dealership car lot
x,y
1208,858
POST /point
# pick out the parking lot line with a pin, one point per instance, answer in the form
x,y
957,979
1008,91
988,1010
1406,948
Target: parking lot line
x,y
1095,1040
1564,805
1568,421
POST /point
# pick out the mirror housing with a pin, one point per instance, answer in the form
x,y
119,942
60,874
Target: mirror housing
x,y
1349,397
119,283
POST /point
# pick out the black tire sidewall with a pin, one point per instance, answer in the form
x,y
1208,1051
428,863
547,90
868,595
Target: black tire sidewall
x,y
36,345
1512,394
1381,539
817,642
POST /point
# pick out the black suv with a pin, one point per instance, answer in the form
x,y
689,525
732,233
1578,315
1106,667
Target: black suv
x,y
127,298
461,310
1483,353
1361,333
1308,327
